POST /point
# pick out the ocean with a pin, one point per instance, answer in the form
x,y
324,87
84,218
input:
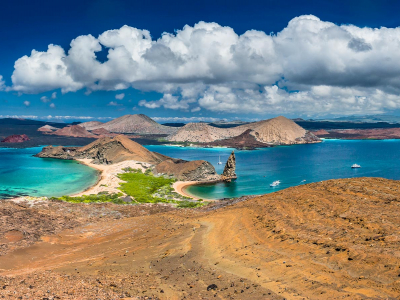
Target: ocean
x,y
293,165
23,174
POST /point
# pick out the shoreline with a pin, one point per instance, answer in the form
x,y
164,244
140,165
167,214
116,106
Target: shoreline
x,y
180,186
108,180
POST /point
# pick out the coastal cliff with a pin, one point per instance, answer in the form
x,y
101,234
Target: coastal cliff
x,y
197,170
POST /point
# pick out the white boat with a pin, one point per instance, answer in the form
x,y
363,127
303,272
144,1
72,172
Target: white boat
x,y
275,183
219,161
355,166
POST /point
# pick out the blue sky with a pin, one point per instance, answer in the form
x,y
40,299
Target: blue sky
x,y
256,91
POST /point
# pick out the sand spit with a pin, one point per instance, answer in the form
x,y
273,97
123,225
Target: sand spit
x,y
108,180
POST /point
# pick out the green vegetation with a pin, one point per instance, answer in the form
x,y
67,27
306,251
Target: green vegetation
x,y
100,197
143,188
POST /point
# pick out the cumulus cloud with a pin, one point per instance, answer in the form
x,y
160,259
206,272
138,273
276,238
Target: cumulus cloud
x,y
112,103
2,84
52,105
54,95
311,66
167,101
120,96
44,99
27,103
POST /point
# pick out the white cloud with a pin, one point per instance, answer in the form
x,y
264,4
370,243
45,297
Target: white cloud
x,y
167,101
112,103
327,68
120,96
52,105
27,103
195,109
44,99
2,84
54,95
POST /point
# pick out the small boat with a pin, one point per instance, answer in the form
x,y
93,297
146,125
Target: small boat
x,y
303,180
275,183
219,161
355,166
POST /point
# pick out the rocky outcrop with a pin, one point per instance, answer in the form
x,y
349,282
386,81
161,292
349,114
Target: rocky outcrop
x,y
230,168
58,152
197,170
74,131
16,138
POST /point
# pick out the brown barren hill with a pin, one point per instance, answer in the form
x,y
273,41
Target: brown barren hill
x,y
276,131
203,133
103,132
74,131
16,138
337,239
120,148
280,131
139,123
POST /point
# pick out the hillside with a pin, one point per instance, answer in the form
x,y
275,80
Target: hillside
x,y
280,131
74,131
337,239
276,131
140,124
203,133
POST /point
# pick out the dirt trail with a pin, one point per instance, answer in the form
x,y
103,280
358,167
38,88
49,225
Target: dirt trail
x,y
332,240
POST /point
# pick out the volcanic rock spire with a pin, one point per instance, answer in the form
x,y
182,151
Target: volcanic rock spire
x,y
230,168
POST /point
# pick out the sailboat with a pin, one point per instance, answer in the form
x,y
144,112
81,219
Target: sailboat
x,y
219,161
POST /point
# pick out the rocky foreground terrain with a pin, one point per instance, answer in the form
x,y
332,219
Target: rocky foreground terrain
x,y
338,239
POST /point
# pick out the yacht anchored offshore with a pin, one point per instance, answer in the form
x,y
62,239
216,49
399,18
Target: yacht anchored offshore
x,y
275,183
354,166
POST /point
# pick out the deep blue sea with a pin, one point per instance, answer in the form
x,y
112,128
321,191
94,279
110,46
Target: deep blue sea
x,y
23,174
291,165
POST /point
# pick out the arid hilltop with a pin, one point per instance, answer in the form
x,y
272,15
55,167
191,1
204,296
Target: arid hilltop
x,y
276,131
337,239
139,124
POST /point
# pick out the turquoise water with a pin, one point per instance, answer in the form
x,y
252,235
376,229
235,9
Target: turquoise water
x,y
23,174
291,165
